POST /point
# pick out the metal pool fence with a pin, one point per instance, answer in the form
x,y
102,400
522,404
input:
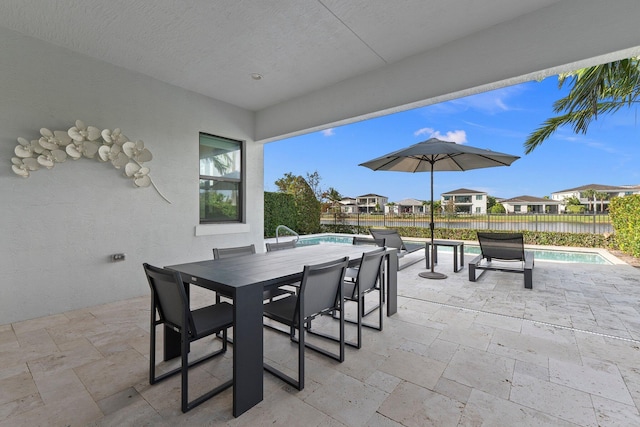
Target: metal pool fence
x,y
566,223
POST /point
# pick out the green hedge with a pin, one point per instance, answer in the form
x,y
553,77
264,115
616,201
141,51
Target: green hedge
x,y
625,217
279,208
300,213
583,240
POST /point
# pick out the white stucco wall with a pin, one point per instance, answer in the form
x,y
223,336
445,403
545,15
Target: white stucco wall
x,y
60,226
482,204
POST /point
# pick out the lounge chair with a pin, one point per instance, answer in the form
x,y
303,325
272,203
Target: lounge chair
x,y
392,239
506,247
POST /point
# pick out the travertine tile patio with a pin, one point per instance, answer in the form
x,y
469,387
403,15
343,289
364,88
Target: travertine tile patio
x,y
457,353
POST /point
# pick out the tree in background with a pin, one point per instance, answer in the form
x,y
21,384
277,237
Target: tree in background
x,y
332,196
392,209
602,89
307,204
450,207
313,179
573,205
491,202
602,196
497,208
590,195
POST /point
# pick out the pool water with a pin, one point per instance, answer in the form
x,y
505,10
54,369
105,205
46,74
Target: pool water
x,y
539,254
316,240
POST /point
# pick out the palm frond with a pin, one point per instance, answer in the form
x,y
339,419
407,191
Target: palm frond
x,y
602,89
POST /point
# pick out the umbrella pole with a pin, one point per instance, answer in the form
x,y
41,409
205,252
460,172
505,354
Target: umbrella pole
x,y
432,274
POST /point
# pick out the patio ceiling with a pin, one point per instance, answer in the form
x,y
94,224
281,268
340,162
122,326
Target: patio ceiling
x,y
329,62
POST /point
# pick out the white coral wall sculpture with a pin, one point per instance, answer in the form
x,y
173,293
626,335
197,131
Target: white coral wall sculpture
x,y
84,141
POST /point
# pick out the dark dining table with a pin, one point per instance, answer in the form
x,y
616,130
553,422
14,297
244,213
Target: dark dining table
x,y
244,278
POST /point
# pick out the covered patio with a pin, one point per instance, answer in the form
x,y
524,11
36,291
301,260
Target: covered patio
x,y
73,322
456,353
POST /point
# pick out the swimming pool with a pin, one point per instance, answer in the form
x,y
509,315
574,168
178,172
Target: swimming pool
x,y
539,254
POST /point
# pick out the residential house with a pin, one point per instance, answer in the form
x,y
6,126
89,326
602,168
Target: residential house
x,y
600,204
248,73
530,204
406,206
369,203
348,205
465,201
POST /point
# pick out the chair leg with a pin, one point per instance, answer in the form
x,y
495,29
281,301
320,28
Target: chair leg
x,y
359,317
185,374
342,341
152,340
380,309
301,345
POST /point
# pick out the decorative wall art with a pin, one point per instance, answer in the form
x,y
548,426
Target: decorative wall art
x,y
84,141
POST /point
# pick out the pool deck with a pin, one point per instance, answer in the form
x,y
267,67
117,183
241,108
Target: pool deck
x,y
457,353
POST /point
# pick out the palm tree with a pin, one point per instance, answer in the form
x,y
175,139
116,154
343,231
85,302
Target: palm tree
x,y
590,194
601,89
333,196
391,209
426,206
602,196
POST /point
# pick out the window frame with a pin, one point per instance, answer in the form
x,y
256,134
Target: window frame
x,y
241,200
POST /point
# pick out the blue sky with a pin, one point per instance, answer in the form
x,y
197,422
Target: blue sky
x,y
499,120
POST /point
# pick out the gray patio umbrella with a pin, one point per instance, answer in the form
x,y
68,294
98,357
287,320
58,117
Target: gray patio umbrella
x,y
437,155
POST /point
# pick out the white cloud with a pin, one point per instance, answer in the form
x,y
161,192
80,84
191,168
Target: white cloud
x,y
328,132
457,136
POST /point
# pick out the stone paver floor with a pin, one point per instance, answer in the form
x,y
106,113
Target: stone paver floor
x,y
457,353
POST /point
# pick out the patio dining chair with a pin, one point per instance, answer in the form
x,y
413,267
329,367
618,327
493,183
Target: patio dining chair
x,y
170,307
279,246
219,253
368,276
320,293
352,272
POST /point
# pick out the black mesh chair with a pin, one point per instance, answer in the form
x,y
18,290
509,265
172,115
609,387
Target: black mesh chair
x,y
368,276
279,246
234,251
169,300
289,244
505,247
320,292
352,272
231,252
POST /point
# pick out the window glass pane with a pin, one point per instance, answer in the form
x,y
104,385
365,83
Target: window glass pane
x,y
220,179
219,201
219,157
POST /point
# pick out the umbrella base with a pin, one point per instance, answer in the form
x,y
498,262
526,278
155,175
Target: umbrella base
x,y
432,275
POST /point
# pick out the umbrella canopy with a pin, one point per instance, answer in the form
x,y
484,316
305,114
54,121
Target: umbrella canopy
x,y
437,155
441,156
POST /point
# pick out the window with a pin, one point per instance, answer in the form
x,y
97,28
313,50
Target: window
x,y
221,179
478,196
517,208
478,210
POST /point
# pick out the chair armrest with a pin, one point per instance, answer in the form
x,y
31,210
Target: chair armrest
x,y
476,260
